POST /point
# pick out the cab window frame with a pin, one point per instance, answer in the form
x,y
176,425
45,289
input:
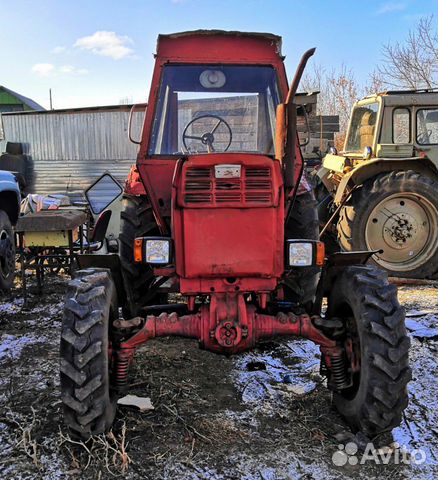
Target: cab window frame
x,y
377,125
160,103
416,125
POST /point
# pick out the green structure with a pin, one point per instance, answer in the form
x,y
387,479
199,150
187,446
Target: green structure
x,y
11,101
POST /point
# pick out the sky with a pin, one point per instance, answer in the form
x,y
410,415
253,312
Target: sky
x,y
101,52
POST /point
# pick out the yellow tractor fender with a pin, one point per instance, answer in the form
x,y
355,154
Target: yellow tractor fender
x,y
371,168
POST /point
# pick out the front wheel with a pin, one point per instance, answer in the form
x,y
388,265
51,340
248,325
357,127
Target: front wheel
x,y
91,305
377,350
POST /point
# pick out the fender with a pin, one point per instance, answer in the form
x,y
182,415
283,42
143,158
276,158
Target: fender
x,y
369,169
134,184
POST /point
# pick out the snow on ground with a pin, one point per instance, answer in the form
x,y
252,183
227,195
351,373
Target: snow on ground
x,y
12,346
263,379
421,428
262,415
14,306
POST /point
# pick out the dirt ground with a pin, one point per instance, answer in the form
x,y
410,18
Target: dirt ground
x,y
263,415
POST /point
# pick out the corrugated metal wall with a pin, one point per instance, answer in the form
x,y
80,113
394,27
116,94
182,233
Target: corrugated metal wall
x,y
68,151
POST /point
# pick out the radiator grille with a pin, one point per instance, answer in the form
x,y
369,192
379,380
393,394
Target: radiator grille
x,y
253,188
257,197
198,198
258,172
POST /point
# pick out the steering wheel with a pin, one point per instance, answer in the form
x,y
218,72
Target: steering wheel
x,y
424,137
207,138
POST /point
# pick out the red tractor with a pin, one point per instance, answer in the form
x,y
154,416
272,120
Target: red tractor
x,y
216,210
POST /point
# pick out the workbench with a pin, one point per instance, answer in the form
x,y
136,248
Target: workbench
x,y
49,239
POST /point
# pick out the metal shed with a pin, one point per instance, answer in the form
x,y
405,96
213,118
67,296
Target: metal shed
x,y
68,149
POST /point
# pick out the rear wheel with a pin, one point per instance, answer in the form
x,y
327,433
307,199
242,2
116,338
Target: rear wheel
x,y
88,398
377,349
303,223
7,252
397,214
137,220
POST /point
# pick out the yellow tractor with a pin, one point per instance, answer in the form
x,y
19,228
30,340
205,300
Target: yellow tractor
x,y
381,192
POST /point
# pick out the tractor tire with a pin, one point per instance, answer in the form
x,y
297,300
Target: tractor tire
x,y
374,324
89,402
303,223
7,253
397,214
137,220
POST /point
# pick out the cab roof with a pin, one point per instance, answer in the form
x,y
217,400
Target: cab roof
x,y
226,33
220,46
393,93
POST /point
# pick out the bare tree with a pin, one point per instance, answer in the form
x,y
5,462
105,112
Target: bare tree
x,y
315,80
375,83
413,63
343,91
338,91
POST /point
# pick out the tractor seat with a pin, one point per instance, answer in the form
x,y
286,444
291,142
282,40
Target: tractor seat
x,y
99,232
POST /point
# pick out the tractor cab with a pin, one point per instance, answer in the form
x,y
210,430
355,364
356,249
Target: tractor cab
x,y
389,125
213,93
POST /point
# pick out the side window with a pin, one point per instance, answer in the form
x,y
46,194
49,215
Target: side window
x,y
401,125
427,126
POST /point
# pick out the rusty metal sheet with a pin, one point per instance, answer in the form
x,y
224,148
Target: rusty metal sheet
x,y
51,220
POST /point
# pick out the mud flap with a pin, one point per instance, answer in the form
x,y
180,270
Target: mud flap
x,y
335,264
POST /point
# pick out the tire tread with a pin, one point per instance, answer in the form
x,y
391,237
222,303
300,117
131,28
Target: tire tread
x,y
88,402
379,402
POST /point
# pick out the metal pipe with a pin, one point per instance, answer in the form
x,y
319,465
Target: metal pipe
x,y
338,209
298,74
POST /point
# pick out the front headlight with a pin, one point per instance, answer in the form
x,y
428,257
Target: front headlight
x,y
300,254
157,251
367,153
305,253
154,250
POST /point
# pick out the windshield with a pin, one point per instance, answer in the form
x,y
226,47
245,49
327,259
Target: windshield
x,y
211,108
362,128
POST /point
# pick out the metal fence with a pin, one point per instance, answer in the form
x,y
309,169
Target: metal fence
x,y
68,150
